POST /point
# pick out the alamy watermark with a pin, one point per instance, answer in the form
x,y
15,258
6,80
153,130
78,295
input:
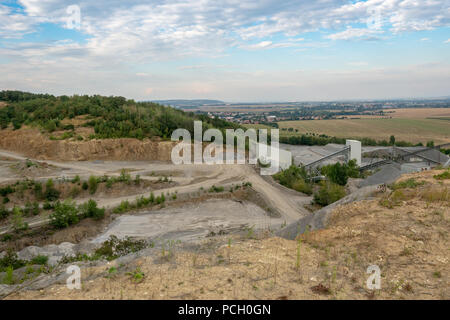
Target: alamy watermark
x,y
269,155
73,20
74,279
374,280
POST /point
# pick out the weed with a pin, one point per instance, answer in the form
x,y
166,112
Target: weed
x,y
216,189
40,259
437,274
444,175
410,183
137,275
9,277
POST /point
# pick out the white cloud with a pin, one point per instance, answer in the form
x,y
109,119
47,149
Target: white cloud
x,y
447,41
355,33
123,34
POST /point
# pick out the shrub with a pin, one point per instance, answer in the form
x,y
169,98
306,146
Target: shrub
x,y
339,173
38,190
328,193
301,186
35,209
294,178
6,190
124,176
142,201
410,183
109,183
93,184
114,247
64,214
89,210
216,189
85,185
51,194
123,207
152,198
444,175
76,179
48,206
41,260
17,220
10,260
74,192
3,212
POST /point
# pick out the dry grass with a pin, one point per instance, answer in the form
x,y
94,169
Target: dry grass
x,y
411,130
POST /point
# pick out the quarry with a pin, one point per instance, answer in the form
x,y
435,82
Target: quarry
x,y
209,213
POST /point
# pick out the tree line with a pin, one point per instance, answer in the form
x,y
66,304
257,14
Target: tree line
x,y
111,117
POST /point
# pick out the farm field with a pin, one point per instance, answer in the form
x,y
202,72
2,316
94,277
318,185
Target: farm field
x,y
407,129
420,113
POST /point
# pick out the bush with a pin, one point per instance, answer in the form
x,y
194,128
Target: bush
x,y
76,179
3,212
444,175
294,178
17,220
216,189
123,207
10,260
93,184
114,247
38,190
41,260
6,190
48,206
339,173
51,194
90,210
328,193
74,192
301,186
124,176
64,214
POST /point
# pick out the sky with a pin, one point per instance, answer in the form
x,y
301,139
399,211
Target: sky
x,y
231,50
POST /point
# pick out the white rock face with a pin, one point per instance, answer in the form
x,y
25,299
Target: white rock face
x,y
54,252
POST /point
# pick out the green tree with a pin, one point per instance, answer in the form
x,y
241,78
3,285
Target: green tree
x,y
392,140
64,214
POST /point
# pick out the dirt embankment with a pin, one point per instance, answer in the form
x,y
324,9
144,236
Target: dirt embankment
x,y
33,144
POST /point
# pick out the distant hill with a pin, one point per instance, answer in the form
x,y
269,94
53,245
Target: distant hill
x,y
189,104
110,117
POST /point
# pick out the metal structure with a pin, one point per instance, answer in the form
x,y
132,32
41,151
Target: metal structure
x,y
345,151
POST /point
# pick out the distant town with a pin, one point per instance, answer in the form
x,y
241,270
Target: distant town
x,y
270,113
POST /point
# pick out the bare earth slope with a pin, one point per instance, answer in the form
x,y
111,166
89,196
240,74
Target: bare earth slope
x,y
31,143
